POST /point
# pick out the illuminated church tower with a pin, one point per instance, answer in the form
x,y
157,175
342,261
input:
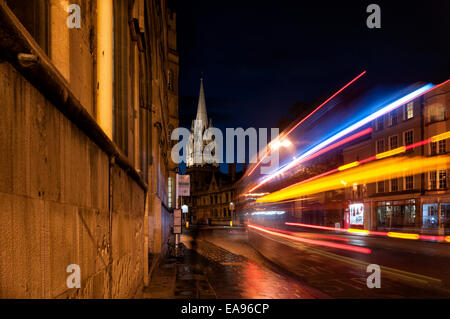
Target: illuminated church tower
x,y
196,146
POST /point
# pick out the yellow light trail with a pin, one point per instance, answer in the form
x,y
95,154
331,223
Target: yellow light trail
x,y
358,231
368,173
393,152
441,137
403,235
347,166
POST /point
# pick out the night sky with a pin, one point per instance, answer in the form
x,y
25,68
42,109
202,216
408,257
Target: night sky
x,y
259,57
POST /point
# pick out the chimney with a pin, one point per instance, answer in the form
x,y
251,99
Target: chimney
x,y
232,171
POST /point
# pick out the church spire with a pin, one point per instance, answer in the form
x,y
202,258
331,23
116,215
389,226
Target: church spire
x,y
197,142
201,108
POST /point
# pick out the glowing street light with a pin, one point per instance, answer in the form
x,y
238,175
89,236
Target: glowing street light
x,y
278,144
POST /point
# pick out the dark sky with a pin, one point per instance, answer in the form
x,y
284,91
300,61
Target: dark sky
x,y
260,57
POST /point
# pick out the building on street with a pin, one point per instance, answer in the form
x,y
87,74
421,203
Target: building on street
x,y
419,201
88,108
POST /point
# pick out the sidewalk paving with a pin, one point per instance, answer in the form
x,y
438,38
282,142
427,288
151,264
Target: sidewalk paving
x,y
179,278
207,271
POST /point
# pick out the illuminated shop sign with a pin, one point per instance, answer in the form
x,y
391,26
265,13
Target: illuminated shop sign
x,y
268,212
357,214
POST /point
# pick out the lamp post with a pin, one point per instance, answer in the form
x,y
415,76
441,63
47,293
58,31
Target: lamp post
x,y
232,213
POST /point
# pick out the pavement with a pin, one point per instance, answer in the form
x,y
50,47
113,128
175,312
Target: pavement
x,y
178,278
205,270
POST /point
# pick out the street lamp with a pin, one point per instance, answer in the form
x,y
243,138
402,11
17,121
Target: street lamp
x,y
278,144
232,213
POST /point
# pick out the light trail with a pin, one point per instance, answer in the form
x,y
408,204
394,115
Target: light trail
x,y
369,173
309,115
340,143
315,226
330,147
272,231
372,158
365,232
313,235
391,106
403,235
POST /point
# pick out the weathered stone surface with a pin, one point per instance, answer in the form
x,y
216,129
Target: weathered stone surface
x,y
54,205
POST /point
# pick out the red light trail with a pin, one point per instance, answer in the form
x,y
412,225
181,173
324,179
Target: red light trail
x,y
276,232
369,232
328,148
371,118
309,115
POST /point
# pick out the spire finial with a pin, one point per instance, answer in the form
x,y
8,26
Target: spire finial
x,y
201,108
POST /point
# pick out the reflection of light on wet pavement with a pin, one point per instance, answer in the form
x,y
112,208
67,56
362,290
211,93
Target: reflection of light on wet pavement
x,y
255,283
235,276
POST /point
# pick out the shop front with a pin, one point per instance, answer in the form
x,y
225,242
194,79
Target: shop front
x,y
397,214
436,215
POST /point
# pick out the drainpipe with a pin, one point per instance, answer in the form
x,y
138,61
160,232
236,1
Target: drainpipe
x,y
105,103
105,66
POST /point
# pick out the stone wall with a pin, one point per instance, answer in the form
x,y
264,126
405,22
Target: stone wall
x,y
56,186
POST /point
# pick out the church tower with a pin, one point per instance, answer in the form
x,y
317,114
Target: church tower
x,y
196,146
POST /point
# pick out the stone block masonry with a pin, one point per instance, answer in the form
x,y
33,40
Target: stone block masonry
x,y
62,201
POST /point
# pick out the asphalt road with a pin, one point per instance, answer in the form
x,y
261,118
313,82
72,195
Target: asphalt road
x,y
408,269
235,270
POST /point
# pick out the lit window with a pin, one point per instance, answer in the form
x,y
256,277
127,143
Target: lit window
x,y
394,185
409,137
393,141
442,146
433,184
437,113
442,179
169,192
380,123
409,182
392,119
409,111
433,148
380,146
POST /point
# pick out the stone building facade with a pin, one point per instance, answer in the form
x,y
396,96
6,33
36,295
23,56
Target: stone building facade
x,y
421,201
85,136
211,194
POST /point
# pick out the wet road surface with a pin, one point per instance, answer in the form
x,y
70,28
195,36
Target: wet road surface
x,y
235,269
409,269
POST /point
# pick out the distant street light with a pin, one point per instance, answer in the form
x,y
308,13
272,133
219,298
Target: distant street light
x,y
284,143
232,213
